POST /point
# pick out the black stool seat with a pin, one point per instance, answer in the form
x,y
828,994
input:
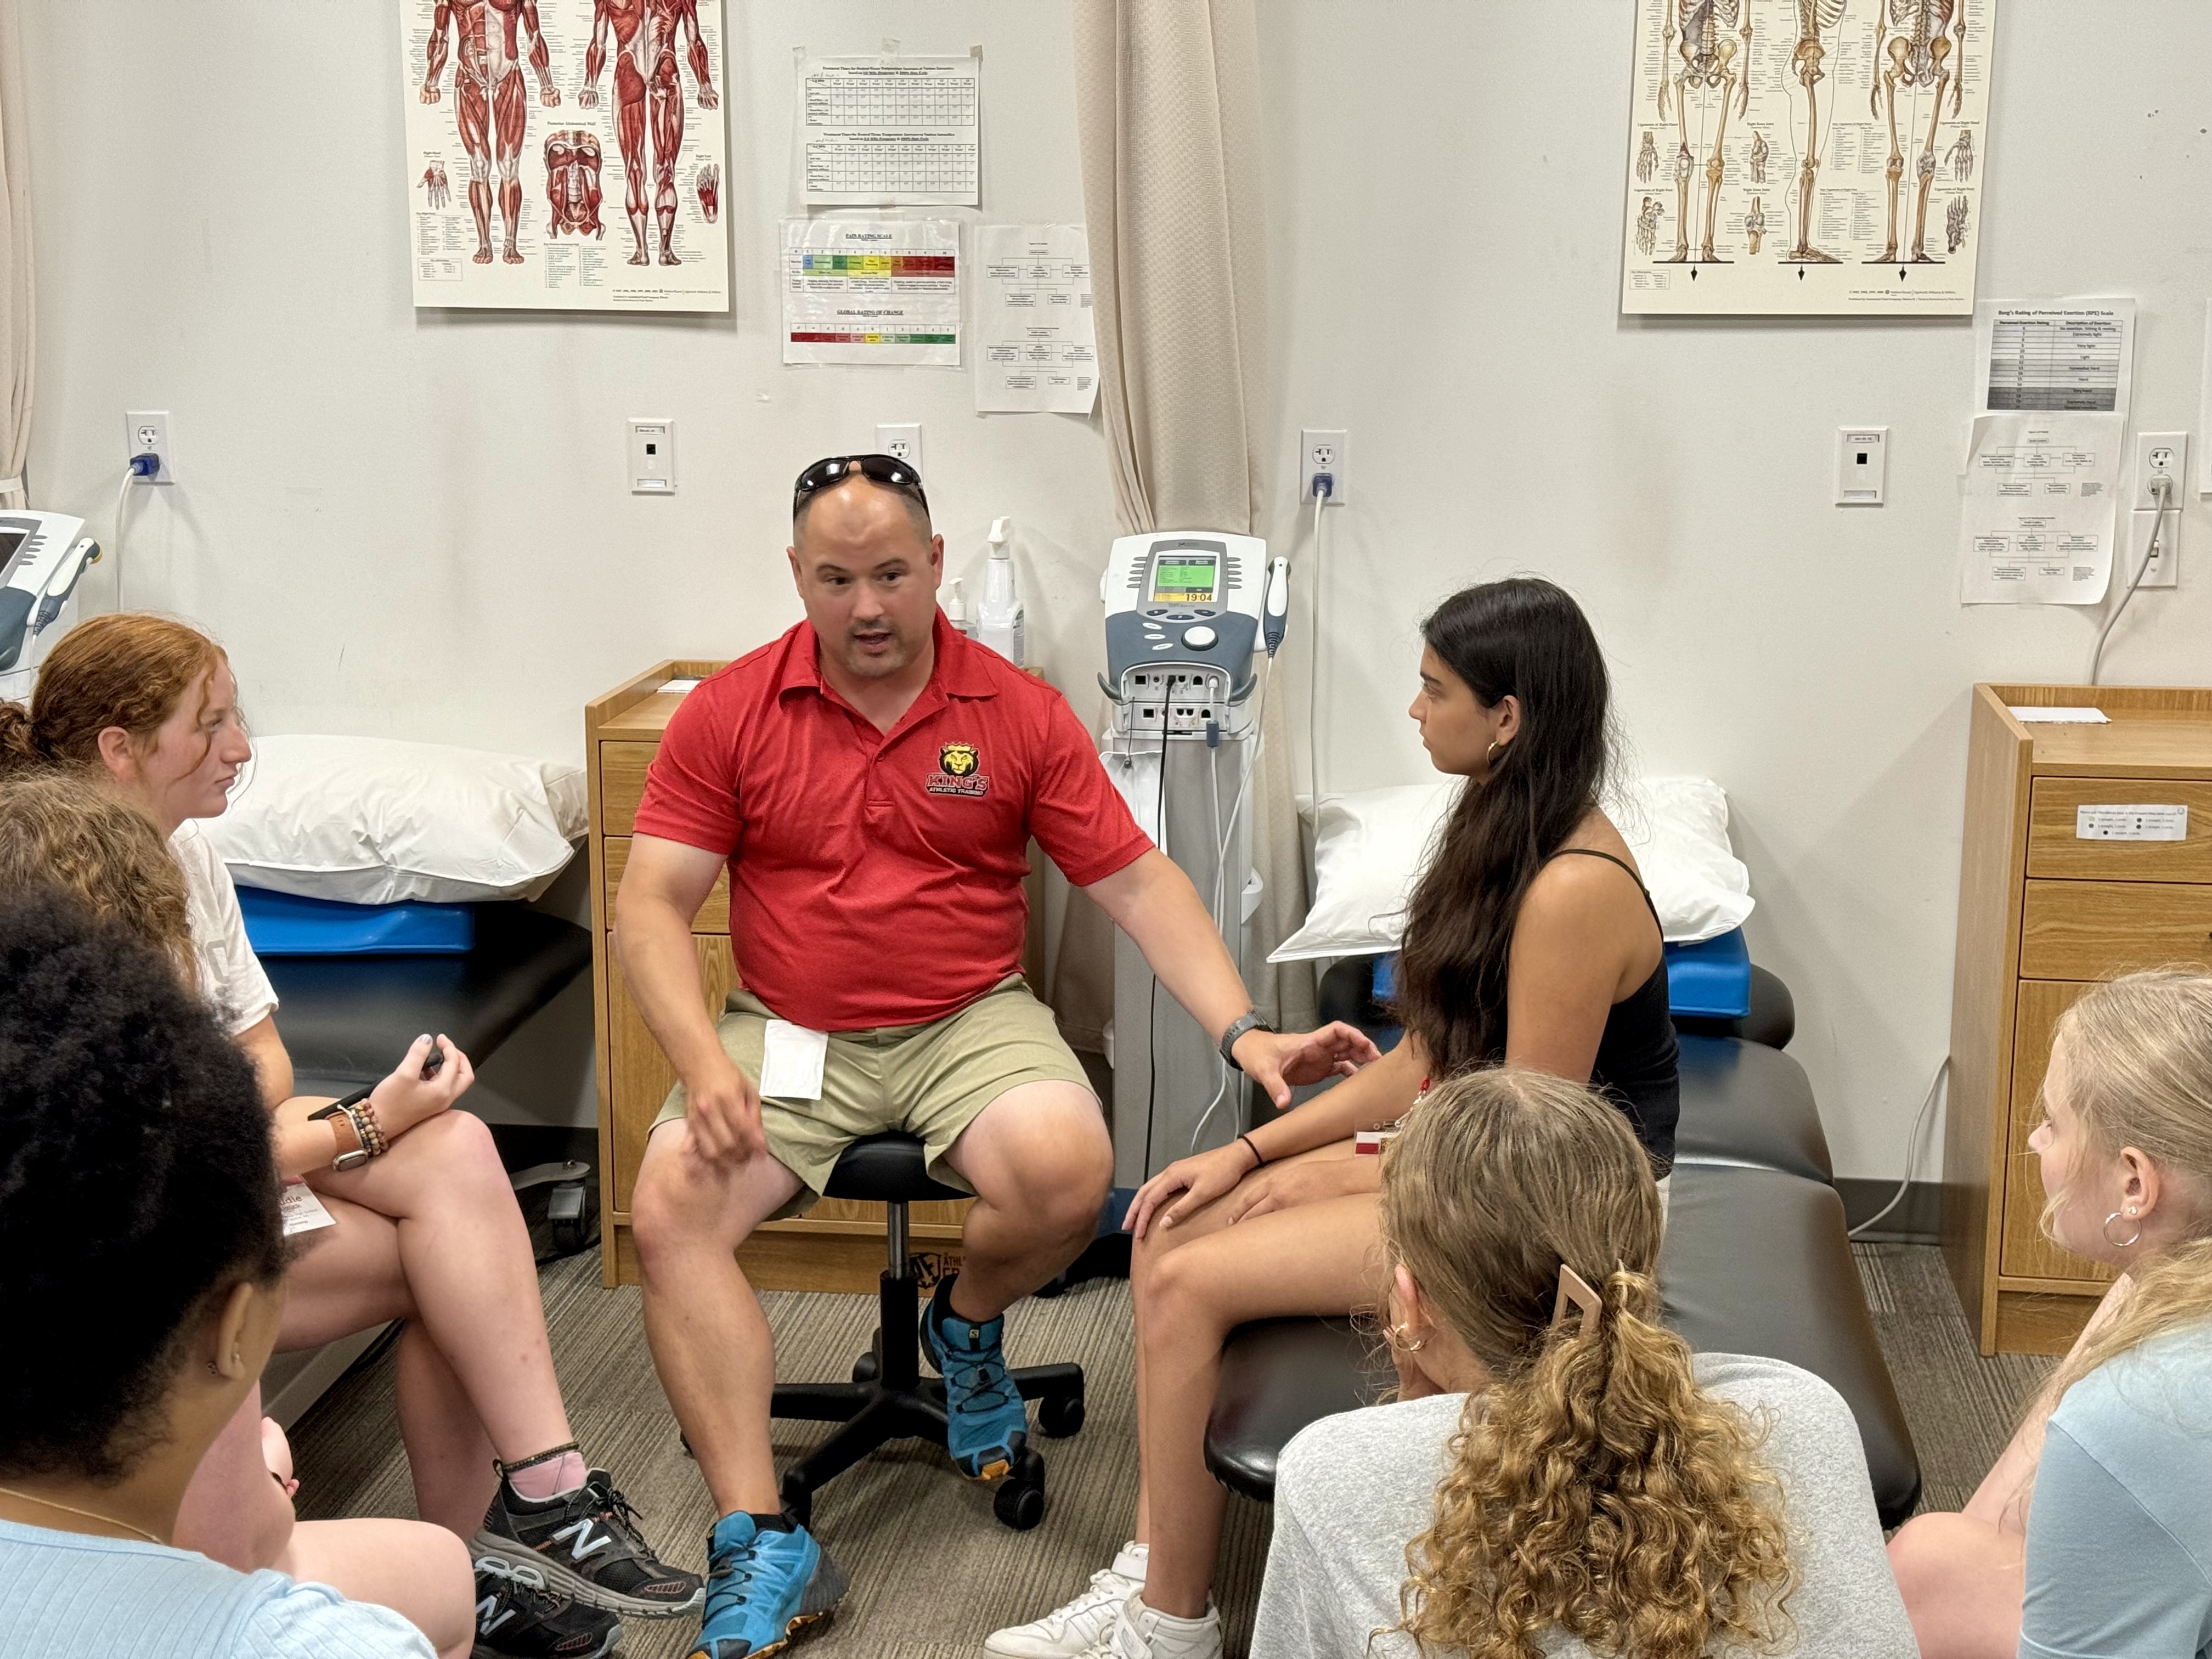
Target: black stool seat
x,y
887,1168
887,1398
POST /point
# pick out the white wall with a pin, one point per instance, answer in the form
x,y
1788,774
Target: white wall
x,y
415,524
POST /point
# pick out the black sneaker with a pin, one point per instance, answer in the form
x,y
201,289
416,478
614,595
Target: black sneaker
x,y
587,1545
518,1618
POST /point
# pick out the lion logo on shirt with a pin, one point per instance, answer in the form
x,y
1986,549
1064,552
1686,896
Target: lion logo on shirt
x,y
957,771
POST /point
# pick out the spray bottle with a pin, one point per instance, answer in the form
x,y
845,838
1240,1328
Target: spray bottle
x,y
1000,622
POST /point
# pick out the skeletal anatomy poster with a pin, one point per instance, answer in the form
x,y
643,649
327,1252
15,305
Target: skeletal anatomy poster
x,y
1036,347
871,291
891,131
2041,497
1807,157
566,154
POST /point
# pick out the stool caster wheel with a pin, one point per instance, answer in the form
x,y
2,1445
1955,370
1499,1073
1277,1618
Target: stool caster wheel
x,y
1019,1501
869,1366
1060,1415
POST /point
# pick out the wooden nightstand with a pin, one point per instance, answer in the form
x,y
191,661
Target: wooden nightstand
x,y
2044,914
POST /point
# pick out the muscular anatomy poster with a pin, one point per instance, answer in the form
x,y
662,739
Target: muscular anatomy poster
x,y
565,155
1814,157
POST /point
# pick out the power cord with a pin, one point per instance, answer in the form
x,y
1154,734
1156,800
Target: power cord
x,y
147,465
1324,486
1221,856
2162,487
1912,1151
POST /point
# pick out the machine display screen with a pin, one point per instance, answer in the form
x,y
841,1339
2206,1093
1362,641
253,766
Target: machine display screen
x,y
9,541
1185,579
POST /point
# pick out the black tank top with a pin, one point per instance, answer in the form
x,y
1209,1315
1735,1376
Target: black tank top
x,y
1635,1068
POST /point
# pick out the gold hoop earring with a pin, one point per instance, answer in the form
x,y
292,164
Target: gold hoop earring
x,y
2128,1243
1490,756
1398,1339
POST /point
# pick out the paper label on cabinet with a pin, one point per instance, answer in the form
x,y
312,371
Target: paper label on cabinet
x,y
791,1061
2131,824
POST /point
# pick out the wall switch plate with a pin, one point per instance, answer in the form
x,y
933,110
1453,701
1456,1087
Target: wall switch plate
x,y
1862,465
146,432
652,455
2160,454
903,441
2165,569
1324,450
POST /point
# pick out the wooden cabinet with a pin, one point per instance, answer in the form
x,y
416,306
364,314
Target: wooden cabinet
x,y
2044,913
838,1245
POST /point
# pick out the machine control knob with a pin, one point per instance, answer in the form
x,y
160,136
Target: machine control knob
x,y
1199,638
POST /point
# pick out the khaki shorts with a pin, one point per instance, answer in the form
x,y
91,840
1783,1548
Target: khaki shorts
x,y
931,1080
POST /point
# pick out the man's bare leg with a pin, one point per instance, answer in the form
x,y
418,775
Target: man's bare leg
x,y
709,1339
1040,1161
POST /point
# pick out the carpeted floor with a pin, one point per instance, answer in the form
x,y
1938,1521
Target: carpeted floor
x,y
932,1570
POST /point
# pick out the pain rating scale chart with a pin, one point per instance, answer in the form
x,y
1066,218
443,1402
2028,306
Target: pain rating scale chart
x,y
873,290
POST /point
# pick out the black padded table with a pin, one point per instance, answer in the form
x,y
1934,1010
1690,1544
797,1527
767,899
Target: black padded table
x,y
349,1019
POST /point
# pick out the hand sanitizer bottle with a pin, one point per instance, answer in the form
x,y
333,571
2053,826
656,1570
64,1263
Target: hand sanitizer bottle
x,y
1000,625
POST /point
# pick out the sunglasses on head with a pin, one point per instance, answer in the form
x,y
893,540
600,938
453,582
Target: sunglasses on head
x,y
886,469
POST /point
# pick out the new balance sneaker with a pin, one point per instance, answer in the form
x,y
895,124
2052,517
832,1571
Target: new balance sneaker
x,y
1070,1631
766,1586
986,1424
587,1545
1143,1632
517,1617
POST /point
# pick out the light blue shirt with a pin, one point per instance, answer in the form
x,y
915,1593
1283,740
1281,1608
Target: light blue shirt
x,y
70,1596
2119,1536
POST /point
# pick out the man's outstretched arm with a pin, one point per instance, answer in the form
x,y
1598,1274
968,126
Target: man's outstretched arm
x,y
1152,901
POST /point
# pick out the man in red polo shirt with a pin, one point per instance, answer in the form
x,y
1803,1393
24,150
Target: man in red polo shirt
x,y
871,781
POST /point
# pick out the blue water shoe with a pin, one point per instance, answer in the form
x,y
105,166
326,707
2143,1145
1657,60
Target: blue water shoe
x,y
766,1588
986,1424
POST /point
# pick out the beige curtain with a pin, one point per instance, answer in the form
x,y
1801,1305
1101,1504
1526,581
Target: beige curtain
x,y
16,361
1167,95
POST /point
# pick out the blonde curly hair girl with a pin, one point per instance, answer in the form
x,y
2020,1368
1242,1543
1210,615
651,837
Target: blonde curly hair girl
x,y
1593,1488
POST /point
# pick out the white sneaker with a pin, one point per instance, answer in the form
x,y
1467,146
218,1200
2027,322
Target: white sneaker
x,y
1069,1633
1143,1632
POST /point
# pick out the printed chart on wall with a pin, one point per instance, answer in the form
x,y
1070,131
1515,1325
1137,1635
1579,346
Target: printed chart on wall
x,y
871,290
1807,157
1037,346
891,131
566,156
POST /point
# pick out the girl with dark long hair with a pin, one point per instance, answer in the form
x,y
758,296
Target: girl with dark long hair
x,y
1529,941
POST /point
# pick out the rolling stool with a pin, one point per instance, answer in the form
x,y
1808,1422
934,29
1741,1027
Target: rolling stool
x,y
887,1399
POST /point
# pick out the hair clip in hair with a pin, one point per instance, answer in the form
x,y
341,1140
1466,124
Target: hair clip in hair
x,y
1575,1292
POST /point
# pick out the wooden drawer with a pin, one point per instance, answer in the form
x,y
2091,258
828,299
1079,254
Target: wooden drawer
x,y
2026,1254
622,784
2054,850
713,915
2086,930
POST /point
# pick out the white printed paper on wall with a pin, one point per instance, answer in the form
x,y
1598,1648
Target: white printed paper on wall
x,y
566,154
2037,522
1807,157
1036,346
871,291
891,131
2054,353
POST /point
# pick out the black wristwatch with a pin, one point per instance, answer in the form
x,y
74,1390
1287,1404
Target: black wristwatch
x,y
1253,1021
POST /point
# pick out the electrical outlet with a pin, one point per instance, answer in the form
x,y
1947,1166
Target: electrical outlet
x,y
903,441
1323,450
2165,569
146,432
2160,454
652,455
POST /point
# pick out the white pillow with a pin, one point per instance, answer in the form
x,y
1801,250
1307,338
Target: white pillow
x,y
1370,846
373,821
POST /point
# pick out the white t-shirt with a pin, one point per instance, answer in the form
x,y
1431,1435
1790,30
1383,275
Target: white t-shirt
x,y
231,976
1351,1491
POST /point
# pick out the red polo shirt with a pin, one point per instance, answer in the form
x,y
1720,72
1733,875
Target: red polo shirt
x,y
876,879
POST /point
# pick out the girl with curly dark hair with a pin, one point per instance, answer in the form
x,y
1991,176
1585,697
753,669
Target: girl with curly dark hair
x,y
144,1289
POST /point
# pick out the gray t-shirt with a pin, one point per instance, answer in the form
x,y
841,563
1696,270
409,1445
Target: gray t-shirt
x,y
2119,1539
1352,1491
